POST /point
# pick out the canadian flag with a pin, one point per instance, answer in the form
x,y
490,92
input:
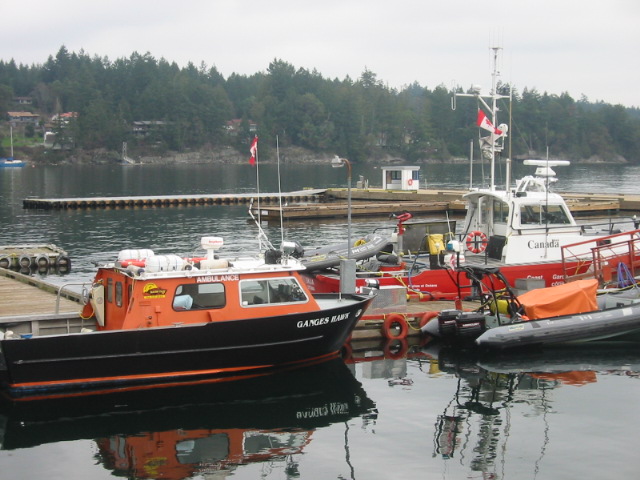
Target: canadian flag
x,y
254,151
484,122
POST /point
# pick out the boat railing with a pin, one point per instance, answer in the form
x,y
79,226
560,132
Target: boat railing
x,y
76,297
611,224
608,226
599,257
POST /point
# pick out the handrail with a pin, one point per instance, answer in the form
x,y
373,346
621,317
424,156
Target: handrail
x,y
595,257
59,294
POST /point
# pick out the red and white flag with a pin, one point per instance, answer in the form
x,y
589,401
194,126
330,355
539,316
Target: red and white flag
x,y
484,122
254,151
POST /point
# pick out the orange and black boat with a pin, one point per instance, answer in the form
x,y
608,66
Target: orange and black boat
x,y
164,318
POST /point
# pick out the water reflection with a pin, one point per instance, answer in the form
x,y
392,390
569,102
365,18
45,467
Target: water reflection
x,y
497,394
179,432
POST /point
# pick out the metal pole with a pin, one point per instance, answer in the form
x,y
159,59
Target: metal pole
x,y
348,206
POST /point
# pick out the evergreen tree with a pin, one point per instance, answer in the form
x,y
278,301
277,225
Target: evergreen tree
x,y
189,107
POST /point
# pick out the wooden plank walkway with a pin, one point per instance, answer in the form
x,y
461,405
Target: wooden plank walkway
x,y
23,295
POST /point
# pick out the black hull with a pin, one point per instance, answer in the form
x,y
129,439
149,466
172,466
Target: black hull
x,y
101,359
305,398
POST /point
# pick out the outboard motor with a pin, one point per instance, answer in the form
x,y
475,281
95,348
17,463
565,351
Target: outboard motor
x,y
298,251
469,324
447,323
292,249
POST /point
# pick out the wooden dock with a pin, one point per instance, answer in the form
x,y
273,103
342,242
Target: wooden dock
x,y
363,208
329,210
326,203
34,256
23,295
309,195
577,202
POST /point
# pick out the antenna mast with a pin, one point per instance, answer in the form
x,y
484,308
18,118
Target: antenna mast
x,y
494,143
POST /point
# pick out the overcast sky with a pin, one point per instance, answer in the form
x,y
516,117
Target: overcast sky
x,y
583,47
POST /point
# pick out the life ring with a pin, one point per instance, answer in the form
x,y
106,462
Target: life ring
x,y
476,242
395,349
389,325
426,318
410,182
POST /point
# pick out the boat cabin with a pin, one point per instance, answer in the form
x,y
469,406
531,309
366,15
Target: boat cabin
x,y
401,178
535,222
130,297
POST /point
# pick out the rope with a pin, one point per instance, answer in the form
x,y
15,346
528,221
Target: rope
x,y
625,279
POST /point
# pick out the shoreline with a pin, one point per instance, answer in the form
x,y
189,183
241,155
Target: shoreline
x,y
230,155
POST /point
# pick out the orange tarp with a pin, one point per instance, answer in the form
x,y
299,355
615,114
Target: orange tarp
x,y
566,299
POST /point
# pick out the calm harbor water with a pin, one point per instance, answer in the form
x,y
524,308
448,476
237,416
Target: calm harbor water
x,y
563,414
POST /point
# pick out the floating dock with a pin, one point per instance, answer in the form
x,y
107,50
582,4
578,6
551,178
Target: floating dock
x,y
587,203
32,256
309,195
322,203
329,210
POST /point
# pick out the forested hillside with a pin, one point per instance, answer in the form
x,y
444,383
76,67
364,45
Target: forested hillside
x,y
360,119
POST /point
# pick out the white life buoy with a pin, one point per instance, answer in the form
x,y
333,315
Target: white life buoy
x,y
476,242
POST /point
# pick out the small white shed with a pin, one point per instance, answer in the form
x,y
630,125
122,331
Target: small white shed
x,y
401,178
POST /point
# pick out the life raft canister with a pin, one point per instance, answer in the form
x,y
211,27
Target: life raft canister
x,y
476,242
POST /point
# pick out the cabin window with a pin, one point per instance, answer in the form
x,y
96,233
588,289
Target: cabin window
x,y
543,215
268,292
195,296
500,211
110,290
118,294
